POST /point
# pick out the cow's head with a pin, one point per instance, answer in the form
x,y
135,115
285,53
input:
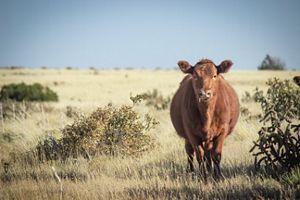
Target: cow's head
x,y
205,76
297,80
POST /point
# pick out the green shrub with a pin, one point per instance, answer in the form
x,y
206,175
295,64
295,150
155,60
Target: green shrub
x,y
247,97
109,131
138,98
49,148
277,147
247,115
72,112
154,99
24,92
281,102
245,112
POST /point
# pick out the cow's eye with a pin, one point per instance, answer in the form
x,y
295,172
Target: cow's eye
x,y
215,76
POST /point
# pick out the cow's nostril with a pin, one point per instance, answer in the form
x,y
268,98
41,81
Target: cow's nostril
x,y
202,93
208,93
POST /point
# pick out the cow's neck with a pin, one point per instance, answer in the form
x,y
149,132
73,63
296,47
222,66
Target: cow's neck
x,y
206,110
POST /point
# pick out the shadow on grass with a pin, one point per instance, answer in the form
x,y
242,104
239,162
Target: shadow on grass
x,y
174,168
237,169
185,192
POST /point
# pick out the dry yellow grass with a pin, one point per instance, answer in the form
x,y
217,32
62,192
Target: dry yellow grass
x,y
88,88
160,173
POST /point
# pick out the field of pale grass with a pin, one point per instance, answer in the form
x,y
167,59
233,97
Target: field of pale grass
x,y
157,174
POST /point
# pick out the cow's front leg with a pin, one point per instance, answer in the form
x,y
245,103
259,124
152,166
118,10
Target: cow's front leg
x,y
208,158
190,153
217,155
200,158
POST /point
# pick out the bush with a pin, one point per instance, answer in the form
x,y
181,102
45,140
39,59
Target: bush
x,y
277,147
49,149
72,112
24,92
154,99
271,63
109,131
245,111
246,97
281,102
247,115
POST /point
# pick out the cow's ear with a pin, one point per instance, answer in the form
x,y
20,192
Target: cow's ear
x,y
185,66
297,80
224,66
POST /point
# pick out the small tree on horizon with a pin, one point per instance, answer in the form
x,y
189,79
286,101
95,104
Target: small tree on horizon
x,y
272,63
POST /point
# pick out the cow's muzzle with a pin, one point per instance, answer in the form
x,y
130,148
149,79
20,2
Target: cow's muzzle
x,y
205,95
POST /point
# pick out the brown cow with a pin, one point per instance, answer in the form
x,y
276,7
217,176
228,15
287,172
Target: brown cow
x,y
297,80
204,111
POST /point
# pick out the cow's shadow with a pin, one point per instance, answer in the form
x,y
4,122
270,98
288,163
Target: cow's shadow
x,y
176,169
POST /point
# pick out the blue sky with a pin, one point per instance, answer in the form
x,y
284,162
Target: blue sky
x,y
156,33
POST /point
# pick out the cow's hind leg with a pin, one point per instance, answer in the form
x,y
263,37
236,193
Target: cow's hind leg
x,y
190,153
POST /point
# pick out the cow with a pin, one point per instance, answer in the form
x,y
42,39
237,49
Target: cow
x,y
204,111
297,80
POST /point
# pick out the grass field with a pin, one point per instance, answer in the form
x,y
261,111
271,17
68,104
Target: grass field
x,y
159,173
